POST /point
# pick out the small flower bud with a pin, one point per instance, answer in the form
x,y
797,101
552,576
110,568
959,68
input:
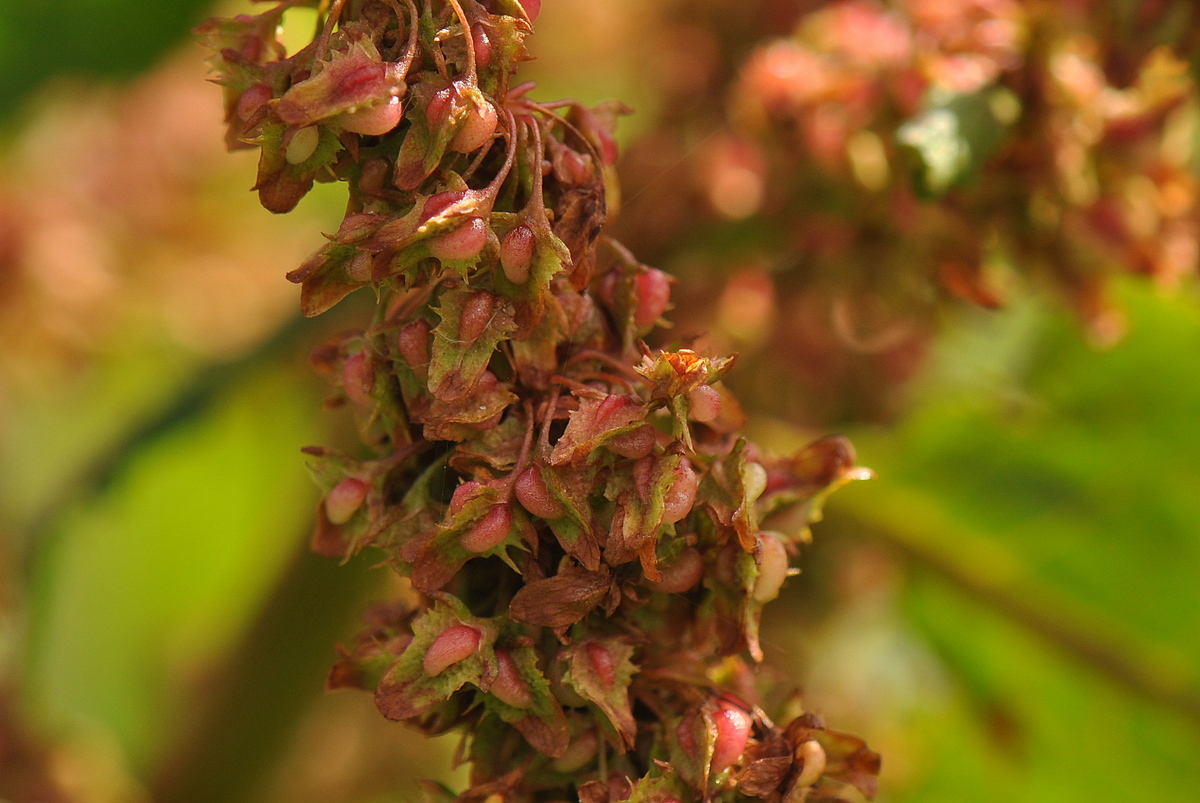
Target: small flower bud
x,y
516,254
477,129
653,297
463,242
509,686
772,568
535,497
357,378
811,756
344,499
681,574
602,663
682,494
476,315
461,494
704,403
482,44
413,344
302,145
733,731
635,444
489,532
374,120
451,646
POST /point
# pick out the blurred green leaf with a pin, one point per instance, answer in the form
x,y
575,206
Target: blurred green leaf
x,y
148,585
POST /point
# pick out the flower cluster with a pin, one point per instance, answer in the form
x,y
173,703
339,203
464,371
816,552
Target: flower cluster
x,y
589,539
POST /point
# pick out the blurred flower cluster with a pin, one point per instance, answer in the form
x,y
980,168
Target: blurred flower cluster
x,y
886,157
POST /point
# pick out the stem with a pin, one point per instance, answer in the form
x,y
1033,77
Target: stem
x,y
472,74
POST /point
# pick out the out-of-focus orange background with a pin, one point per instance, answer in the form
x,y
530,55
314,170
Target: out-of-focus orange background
x,y
1010,611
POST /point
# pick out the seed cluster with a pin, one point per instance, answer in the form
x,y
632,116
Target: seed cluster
x,y
590,539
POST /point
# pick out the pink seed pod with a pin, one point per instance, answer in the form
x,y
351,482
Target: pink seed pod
x,y
516,254
635,444
812,757
344,499
252,100
682,494
413,344
463,242
602,663
704,403
608,408
489,532
373,176
482,44
733,731
509,686
302,145
535,497
358,379
578,755
532,8
436,204
680,575
461,494
653,297
477,129
439,107
451,646
374,120
619,787
476,315
772,569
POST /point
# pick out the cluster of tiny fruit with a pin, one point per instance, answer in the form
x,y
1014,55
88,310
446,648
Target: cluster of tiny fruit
x,y
588,539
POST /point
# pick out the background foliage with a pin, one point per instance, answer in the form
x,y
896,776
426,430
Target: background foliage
x,y
1009,612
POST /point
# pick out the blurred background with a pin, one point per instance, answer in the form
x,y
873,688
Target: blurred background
x,y
961,233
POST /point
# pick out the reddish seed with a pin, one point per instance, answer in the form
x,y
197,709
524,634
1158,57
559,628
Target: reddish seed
x,y
461,494
704,403
252,100
440,203
653,297
476,315
635,444
516,254
358,267
413,344
453,645
477,129
357,379
535,497
733,731
490,532
375,120
483,45
344,499
532,8
602,663
439,108
682,574
463,242
609,408
509,686
682,495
